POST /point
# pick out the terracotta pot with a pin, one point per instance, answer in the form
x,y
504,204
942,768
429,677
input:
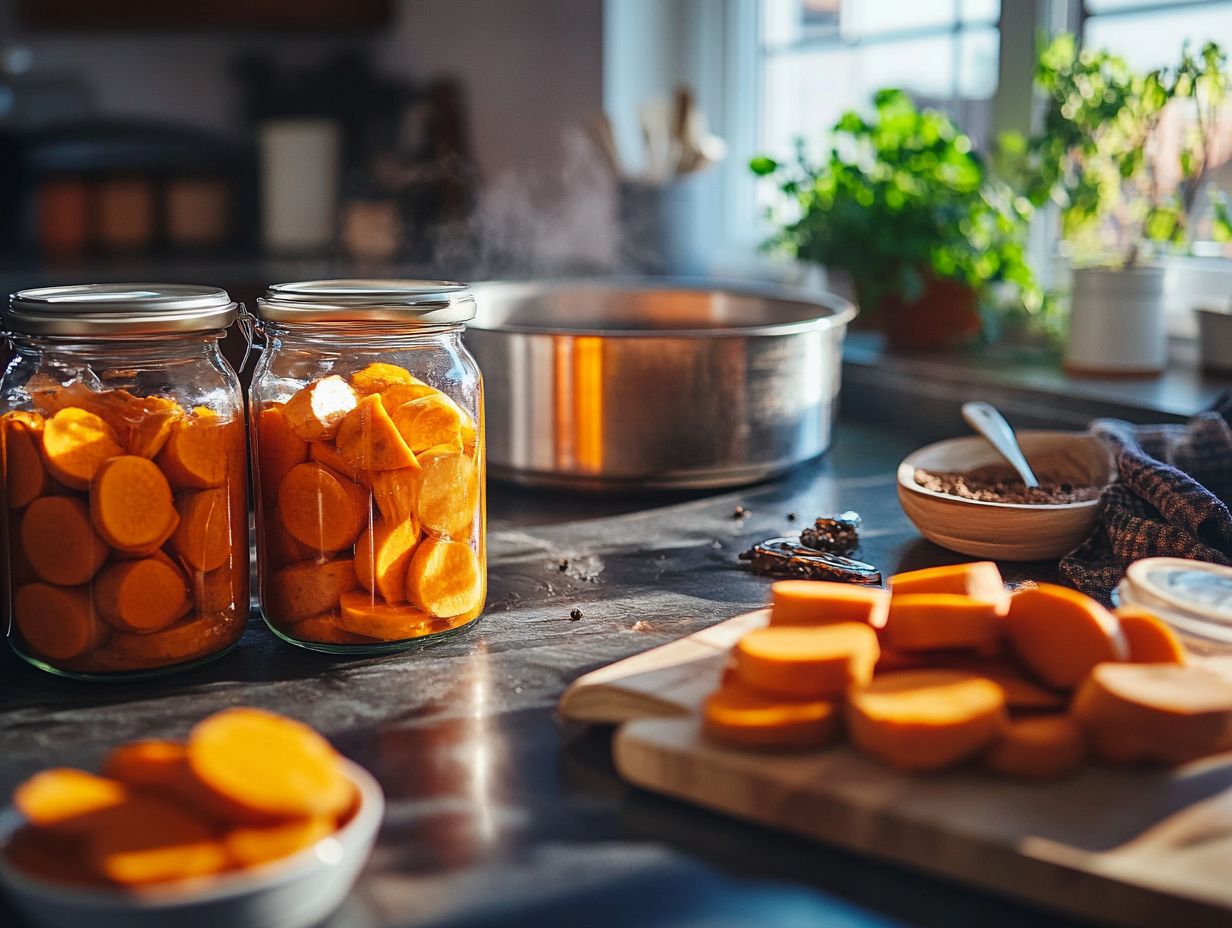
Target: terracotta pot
x,y
946,315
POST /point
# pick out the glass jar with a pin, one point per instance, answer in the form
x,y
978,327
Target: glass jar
x,y
125,481
368,450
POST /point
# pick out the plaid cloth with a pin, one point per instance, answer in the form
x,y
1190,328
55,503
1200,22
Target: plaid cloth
x,y
1172,499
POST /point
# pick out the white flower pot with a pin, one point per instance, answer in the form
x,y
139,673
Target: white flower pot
x,y
1117,321
1215,339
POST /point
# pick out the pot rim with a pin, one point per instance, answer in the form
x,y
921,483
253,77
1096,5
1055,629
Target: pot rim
x,y
839,311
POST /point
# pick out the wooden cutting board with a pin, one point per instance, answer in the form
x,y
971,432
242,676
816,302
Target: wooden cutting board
x,y
1134,847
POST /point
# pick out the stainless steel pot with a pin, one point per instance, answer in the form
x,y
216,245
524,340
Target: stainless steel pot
x,y
604,385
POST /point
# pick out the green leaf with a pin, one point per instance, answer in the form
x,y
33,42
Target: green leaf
x,y
762,166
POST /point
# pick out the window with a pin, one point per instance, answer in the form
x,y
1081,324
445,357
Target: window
x,y
820,58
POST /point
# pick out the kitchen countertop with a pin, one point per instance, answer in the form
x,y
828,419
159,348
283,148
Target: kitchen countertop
x,y
498,812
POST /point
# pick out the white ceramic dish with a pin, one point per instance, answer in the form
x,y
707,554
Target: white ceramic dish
x,y
296,892
1006,531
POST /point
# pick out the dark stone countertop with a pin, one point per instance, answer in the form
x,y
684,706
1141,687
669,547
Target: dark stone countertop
x,y
499,813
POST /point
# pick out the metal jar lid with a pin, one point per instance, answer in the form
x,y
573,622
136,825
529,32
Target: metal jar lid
x,y
119,309
411,302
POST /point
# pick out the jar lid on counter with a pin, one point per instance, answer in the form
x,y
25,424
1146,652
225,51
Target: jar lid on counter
x,y
413,302
119,309
1194,597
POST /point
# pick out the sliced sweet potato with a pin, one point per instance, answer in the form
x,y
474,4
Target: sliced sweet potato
x,y
316,412
270,767
64,800
924,720
326,454
448,494
1155,713
1060,634
817,602
154,418
280,548
1039,747
378,376
325,629
445,578
431,420
60,542
198,452
278,449
131,504
49,857
743,717
361,613
369,440
217,590
978,579
396,394
382,556
189,639
936,621
150,764
56,622
25,477
256,844
76,443
150,839
310,588
806,662
1151,640
322,509
395,492
141,596
205,536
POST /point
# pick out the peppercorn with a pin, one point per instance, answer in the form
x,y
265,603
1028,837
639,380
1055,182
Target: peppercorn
x,y
575,614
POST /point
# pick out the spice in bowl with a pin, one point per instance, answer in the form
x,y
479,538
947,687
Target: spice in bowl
x,y
997,484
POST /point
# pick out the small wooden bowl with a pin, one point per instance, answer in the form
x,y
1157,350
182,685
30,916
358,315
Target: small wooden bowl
x,y
1007,531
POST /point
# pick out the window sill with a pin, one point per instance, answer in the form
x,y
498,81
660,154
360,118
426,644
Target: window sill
x,y
923,393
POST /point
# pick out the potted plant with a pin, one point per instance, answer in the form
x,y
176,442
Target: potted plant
x,y
906,207
1128,192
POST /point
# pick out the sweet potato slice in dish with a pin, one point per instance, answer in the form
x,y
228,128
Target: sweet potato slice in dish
x,y
806,662
1038,747
737,715
818,602
63,799
1060,634
938,621
924,720
1151,640
977,579
151,839
269,766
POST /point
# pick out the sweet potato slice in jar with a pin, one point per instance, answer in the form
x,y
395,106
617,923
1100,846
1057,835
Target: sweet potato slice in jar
x,y
268,767
56,622
141,596
199,450
76,443
131,504
321,509
448,494
326,454
395,492
156,416
369,440
309,588
60,542
379,376
325,629
445,578
316,412
278,449
382,556
919,721
204,538
432,420
25,477
362,613
189,639
396,394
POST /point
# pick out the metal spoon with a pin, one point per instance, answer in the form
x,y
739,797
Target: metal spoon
x,y
984,418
